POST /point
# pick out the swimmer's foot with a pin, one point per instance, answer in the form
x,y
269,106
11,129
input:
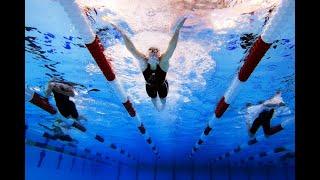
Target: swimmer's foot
x,y
285,123
163,103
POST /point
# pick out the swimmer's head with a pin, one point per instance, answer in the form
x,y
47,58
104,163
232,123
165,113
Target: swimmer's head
x,y
153,56
63,88
153,52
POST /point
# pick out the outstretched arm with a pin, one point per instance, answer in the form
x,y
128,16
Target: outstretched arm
x,y
130,46
46,127
164,58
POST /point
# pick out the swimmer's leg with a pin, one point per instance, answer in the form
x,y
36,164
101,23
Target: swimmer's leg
x,y
255,126
268,131
163,92
251,135
163,102
285,123
155,103
152,93
266,124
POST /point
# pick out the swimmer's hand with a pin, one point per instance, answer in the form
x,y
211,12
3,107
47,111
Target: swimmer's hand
x,y
120,31
114,26
181,23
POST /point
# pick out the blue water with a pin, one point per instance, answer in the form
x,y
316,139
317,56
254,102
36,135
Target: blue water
x,y
209,52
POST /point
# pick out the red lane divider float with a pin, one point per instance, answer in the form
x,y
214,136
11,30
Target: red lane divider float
x,y
39,101
96,49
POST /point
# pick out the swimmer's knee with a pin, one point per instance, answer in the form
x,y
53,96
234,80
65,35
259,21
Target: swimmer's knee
x,y
163,91
154,101
267,133
163,94
153,96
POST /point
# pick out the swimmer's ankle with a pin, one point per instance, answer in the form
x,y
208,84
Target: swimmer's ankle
x,y
163,100
251,135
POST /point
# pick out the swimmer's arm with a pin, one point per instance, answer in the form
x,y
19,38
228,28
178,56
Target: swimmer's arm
x,y
70,93
164,58
46,127
247,117
133,50
48,90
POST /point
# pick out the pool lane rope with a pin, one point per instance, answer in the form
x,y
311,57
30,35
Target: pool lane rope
x,y
96,49
271,32
46,145
61,150
43,103
258,156
278,154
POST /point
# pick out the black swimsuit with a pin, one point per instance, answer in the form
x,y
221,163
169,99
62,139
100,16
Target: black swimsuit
x,y
263,120
65,106
156,82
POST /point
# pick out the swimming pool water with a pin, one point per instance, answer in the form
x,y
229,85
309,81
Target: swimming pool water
x,y
211,46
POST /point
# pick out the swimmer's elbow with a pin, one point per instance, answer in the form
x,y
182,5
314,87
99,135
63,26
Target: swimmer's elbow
x,y
168,54
72,94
